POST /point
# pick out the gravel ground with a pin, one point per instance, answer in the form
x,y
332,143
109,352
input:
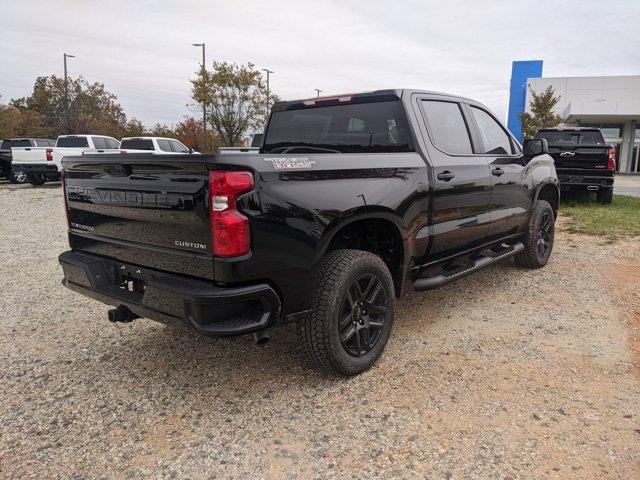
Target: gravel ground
x,y
509,373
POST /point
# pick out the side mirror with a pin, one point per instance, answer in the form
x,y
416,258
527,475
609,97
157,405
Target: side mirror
x,y
190,151
535,146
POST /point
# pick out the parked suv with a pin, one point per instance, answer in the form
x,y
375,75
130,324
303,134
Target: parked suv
x,y
350,201
584,160
6,167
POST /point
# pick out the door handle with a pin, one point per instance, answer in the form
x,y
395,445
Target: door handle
x,y
497,171
446,176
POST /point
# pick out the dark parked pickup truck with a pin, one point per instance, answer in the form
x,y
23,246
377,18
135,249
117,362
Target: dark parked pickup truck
x,y
584,161
6,169
350,200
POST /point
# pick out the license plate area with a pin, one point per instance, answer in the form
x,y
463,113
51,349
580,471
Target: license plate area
x,y
131,281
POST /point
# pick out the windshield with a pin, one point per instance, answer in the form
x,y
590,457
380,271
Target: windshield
x,y
72,142
136,144
572,138
351,128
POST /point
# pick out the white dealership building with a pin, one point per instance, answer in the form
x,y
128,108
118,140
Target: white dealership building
x,y
610,103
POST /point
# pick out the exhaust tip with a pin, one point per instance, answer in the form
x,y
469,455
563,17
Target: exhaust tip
x,y
261,338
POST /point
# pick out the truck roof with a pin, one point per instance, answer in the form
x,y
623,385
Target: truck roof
x,y
569,129
375,95
149,138
25,138
83,135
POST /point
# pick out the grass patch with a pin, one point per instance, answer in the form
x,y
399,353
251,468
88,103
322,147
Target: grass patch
x,y
620,219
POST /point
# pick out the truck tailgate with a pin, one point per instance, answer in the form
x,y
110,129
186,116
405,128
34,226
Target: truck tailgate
x,y
579,159
150,211
29,155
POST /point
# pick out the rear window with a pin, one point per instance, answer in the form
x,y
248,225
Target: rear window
x,y
447,127
45,143
572,138
112,143
9,144
164,145
137,144
99,143
353,128
72,142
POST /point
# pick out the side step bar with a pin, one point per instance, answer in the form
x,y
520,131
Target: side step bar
x,y
428,283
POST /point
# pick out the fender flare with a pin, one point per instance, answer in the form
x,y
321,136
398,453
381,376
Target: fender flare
x,y
364,213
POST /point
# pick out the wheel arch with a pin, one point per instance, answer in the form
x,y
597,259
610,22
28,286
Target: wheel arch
x,y
551,193
379,232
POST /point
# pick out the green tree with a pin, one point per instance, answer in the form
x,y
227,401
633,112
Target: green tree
x,y
9,121
235,99
133,128
82,107
541,115
190,132
162,130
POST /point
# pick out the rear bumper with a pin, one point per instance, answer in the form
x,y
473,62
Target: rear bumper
x,y
172,299
569,181
51,171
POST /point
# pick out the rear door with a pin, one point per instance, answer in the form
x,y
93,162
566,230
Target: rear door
x,y
462,189
510,188
141,209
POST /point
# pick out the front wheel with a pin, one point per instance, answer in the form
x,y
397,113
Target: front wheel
x,y
352,312
37,179
538,241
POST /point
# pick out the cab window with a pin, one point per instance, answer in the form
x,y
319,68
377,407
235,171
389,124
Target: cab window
x,y
447,127
495,139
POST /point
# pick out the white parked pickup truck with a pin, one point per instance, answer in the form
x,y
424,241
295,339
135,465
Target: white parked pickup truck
x,y
154,145
45,163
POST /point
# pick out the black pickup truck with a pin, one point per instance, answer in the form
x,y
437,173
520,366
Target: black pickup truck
x,y
6,169
351,200
584,161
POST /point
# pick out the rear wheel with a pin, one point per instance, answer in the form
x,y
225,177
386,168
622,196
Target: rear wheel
x,y
17,176
36,179
538,241
605,195
352,312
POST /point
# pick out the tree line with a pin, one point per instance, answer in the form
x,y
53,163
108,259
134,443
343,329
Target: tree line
x,y
234,96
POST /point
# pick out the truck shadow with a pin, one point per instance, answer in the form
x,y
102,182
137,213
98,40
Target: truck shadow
x,y
172,357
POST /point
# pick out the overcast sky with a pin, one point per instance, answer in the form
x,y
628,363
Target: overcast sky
x,y
142,52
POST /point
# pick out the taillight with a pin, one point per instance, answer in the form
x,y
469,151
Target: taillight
x,y
611,164
49,154
229,228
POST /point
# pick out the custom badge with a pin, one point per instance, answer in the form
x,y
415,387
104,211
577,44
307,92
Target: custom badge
x,y
287,163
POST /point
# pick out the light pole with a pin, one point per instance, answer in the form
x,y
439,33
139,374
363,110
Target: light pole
x,y
268,102
66,82
204,105
318,90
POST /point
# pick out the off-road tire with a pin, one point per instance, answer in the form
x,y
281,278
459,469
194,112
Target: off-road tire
x,y
605,195
531,256
36,180
319,331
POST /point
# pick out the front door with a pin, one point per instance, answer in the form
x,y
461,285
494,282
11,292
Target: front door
x,y
510,188
462,188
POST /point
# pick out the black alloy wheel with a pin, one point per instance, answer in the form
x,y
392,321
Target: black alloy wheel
x,y
544,239
363,314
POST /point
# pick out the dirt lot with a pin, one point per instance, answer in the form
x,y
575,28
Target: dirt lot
x,y
509,373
